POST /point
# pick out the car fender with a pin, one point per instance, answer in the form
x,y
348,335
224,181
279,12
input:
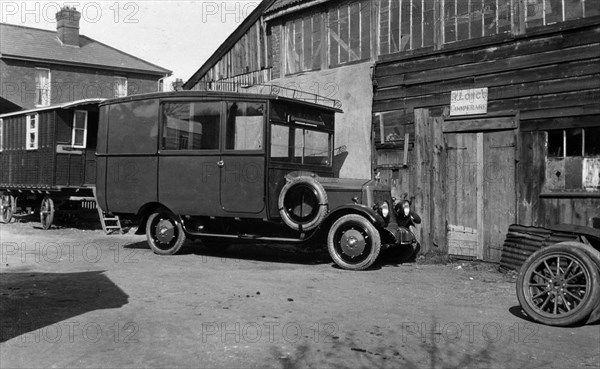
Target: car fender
x,y
371,215
144,213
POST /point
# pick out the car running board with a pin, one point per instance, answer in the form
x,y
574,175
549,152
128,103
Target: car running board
x,y
246,236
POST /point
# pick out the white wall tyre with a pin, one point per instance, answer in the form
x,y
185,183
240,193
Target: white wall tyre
x,y
164,233
303,203
353,242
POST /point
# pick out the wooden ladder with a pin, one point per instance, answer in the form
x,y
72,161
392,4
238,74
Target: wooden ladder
x,y
109,223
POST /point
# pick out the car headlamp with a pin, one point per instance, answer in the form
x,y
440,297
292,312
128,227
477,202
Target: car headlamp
x,y
383,208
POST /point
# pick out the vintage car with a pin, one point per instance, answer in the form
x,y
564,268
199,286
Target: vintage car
x,y
232,168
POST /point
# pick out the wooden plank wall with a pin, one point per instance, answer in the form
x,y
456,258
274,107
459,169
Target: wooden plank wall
x,y
568,64
23,168
548,80
534,210
429,181
246,55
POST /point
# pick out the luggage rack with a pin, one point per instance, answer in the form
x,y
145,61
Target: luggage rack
x,y
270,89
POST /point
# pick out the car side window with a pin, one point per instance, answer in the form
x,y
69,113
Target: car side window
x,y
191,125
245,126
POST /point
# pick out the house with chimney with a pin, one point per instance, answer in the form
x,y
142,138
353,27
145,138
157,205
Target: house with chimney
x,y
41,68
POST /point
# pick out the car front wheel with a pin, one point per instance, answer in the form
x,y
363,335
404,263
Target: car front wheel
x,y
164,233
353,242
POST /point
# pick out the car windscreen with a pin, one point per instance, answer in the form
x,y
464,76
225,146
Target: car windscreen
x,y
299,145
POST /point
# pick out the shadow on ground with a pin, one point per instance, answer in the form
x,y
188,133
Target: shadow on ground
x,y
397,349
30,301
274,253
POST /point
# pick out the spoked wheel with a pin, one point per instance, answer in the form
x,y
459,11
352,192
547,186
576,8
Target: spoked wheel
x,y
164,233
558,285
353,242
9,206
47,212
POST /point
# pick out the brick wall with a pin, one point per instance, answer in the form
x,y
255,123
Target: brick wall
x,y
68,83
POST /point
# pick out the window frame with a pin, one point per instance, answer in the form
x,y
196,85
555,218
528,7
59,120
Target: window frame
x,y
333,15
29,131
291,147
225,131
74,129
541,6
1,134
118,85
163,122
286,44
564,143
38,95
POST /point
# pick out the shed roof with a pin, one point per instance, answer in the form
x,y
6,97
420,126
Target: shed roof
x,y
282,4
248,22
20,42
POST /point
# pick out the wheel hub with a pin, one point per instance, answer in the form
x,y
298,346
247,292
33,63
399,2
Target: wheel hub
x,y
353,243
557,284
165,232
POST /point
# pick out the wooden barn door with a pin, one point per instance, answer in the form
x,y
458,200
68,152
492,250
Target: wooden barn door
x,y
480,189
461,192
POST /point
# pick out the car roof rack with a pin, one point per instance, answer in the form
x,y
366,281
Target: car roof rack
x,y
272,89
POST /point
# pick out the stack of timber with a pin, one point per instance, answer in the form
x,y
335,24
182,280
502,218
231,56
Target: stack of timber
x,y
523,241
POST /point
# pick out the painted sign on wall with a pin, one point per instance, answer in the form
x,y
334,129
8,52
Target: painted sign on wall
x,y
469,102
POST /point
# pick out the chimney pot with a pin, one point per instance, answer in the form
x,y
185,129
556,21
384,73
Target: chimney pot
x,y
67,25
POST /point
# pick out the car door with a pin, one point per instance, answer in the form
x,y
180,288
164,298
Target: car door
x,y
189,156
242,164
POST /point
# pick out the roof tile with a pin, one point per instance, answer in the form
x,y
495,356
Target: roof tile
x,y
34,43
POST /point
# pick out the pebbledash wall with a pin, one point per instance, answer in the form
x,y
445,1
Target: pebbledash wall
x,y
351,86
68,83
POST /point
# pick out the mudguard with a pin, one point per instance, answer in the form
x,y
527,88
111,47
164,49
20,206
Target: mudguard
x,y
359,209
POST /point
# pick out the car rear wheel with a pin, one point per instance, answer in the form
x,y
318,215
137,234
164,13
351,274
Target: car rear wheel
x,y
353,242
558,285
164,233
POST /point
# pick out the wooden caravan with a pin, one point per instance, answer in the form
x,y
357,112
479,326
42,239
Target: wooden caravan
x,y
47,159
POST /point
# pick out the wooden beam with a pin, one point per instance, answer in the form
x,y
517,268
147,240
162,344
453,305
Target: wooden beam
x,y
480,124
480,192
562,122
406,138
423,178
381,129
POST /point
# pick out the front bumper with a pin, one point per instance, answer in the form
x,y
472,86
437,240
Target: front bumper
x,y
394,235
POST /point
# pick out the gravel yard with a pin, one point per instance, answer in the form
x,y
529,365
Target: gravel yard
x,y
78,298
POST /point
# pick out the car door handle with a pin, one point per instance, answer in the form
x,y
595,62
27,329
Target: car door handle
x,y
221,163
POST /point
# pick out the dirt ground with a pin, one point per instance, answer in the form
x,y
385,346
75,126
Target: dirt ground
x,y
76,298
